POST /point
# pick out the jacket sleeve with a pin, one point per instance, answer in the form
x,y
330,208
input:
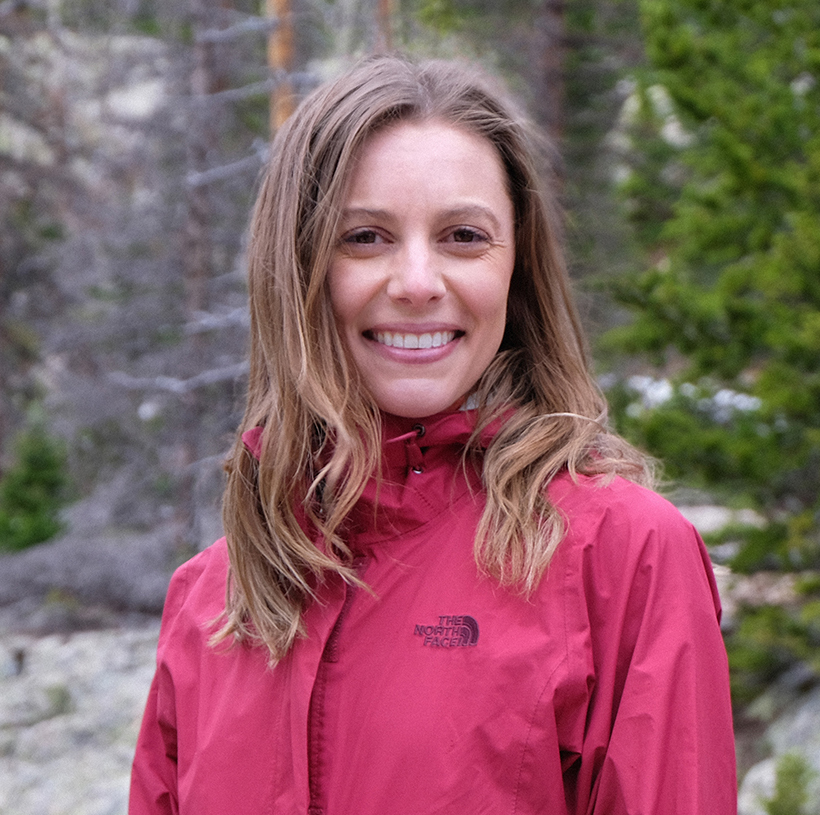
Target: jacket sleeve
x,y
153,775
154,771
659,736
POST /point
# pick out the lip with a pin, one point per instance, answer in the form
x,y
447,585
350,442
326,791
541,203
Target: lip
x,y
414,328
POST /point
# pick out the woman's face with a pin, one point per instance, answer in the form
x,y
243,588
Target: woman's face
x,y
422,266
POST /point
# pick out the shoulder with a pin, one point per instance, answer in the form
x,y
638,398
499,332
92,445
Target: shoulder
x,y
196,594
590,502
621,532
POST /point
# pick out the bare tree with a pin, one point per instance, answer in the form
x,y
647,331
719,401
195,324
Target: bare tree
x,y
550,44
281,55
33,185
384,25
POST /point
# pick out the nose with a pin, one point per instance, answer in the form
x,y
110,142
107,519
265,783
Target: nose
x,y
417,276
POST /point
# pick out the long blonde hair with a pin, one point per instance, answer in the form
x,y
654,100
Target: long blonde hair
x,y
320,424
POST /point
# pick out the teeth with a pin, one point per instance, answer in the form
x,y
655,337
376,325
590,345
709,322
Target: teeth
x,y
435,340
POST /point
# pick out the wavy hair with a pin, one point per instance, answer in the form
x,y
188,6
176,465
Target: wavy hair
x,y
320,426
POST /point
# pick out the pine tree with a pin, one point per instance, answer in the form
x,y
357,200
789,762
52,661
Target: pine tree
x,y
724,191
32,491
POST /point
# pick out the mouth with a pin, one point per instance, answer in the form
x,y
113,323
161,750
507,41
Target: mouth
x,y
404,339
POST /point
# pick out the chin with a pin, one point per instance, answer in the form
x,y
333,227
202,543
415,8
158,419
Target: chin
x,y
417,408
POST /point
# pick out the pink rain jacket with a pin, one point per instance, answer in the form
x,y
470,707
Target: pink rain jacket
x,y
606,692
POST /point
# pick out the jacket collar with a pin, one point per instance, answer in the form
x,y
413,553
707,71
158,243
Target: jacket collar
x,y
405,440
449,428
422,475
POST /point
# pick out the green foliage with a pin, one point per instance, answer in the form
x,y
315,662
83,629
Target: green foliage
x,y
28,230
723,190
33,226
32,491
695,433
253,114
713,437
793,774
809,584
649,189
145,19
439,15
451,15
768,641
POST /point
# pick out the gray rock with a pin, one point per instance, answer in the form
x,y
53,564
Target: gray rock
x,y
127,571
796,729
757,786
708,518
69,717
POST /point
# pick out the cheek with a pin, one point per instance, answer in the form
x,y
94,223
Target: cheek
x,y
496,317
490,301
343,297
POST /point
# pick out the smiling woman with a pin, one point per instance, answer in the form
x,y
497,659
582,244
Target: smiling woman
x,y
421,273
445,586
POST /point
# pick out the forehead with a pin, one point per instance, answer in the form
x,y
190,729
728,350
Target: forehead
x,y
448,160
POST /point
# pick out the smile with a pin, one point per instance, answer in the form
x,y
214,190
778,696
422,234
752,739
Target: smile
x,y
403,340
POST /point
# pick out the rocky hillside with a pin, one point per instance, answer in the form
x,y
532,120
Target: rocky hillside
x,y
70,707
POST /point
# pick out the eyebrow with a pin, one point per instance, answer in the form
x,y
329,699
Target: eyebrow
x,y
467,212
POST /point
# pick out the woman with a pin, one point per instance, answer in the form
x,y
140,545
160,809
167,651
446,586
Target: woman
x,y
444,589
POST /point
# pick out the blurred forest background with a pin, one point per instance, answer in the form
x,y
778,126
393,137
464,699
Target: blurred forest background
x,y
687,146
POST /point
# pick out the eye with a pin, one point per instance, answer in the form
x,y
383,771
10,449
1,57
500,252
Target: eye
x,y
466,234
363,242
466,240
361,237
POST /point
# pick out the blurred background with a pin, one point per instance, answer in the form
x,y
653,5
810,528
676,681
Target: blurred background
x,y
132,134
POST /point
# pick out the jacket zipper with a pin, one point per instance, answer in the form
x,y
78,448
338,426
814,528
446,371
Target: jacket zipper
x,y
316,712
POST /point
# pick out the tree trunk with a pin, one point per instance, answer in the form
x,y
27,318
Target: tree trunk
x,y
551,52
384,31
280,61
197,260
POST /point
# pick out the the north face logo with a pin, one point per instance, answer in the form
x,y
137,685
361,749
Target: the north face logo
x,y
451,631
